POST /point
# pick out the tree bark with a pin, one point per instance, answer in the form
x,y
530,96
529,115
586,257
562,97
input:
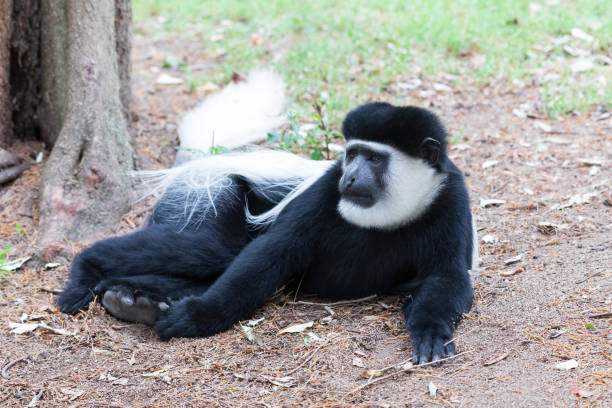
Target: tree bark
x,y
85,187
6,129
25,68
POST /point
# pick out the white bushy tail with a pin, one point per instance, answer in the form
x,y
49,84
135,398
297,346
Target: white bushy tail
x,y
241,113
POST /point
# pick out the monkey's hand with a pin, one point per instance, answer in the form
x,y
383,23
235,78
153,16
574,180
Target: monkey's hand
x,y
434,311
431,339
193,317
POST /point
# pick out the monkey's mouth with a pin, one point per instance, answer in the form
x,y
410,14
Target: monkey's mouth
x,y
362,200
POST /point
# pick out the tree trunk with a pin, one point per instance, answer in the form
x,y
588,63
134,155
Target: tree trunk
x,y
85,187
25,68
6,129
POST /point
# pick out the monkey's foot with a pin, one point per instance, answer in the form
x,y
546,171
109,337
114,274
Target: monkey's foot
x,y
121,303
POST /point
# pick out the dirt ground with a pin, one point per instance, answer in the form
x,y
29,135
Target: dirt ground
x,y
551,305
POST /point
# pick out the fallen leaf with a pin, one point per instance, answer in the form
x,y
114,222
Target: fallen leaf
x,y
578,199
485,203
582,64
296,328
161,374
51,265
559,140
432,389
206,88
591,161
543,127
514,259
165,79
489,163
22,328
602,59
373,373
489,238
581,35
441,87
280,381
407,366
555,334
251,335
16,264
580,392
63,332
253,323
567,365
357,362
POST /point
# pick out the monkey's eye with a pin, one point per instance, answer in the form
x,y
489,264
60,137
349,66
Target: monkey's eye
x,y
351,154
375,158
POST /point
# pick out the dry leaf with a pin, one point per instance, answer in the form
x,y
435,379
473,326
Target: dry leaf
x,y
489,163
16,264
251,335
22,328
489,238
567,365
372,373
514,259
580,392
280,381
165,79
296,328
485,203
432,389
581,35
357,362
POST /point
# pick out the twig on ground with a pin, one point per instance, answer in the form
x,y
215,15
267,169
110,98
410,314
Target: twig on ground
x,y
342,302
293,370
10,364
601,315
36,398
411,368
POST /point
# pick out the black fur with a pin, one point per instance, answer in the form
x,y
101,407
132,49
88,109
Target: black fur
x,y
218,272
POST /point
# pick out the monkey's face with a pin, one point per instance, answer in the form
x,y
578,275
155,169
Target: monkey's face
x,y
363,178
383,188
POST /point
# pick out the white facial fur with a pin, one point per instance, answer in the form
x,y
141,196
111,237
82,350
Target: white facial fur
x,y
411,186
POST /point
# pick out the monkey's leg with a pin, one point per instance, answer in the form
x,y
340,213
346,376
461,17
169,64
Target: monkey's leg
x,y
156,250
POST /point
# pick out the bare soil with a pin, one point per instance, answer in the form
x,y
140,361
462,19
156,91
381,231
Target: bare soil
x,y
552,305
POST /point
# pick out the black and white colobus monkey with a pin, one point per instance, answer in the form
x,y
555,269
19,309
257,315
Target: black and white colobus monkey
x,y
393,213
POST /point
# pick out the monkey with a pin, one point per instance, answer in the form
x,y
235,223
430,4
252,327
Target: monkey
x,y
229,230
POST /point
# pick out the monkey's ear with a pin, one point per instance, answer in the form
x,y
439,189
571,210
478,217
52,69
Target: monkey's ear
x,y
430,150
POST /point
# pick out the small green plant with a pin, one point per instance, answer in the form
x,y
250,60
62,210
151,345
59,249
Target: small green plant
x,y
590,326
314,140
20,229
4,273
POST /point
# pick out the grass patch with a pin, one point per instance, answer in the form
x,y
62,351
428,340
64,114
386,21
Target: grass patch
x,y
352,50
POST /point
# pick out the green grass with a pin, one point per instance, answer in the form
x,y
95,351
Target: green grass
x,y
353,49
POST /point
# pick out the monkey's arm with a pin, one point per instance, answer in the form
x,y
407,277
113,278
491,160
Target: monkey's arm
x,y
263,266
435,309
